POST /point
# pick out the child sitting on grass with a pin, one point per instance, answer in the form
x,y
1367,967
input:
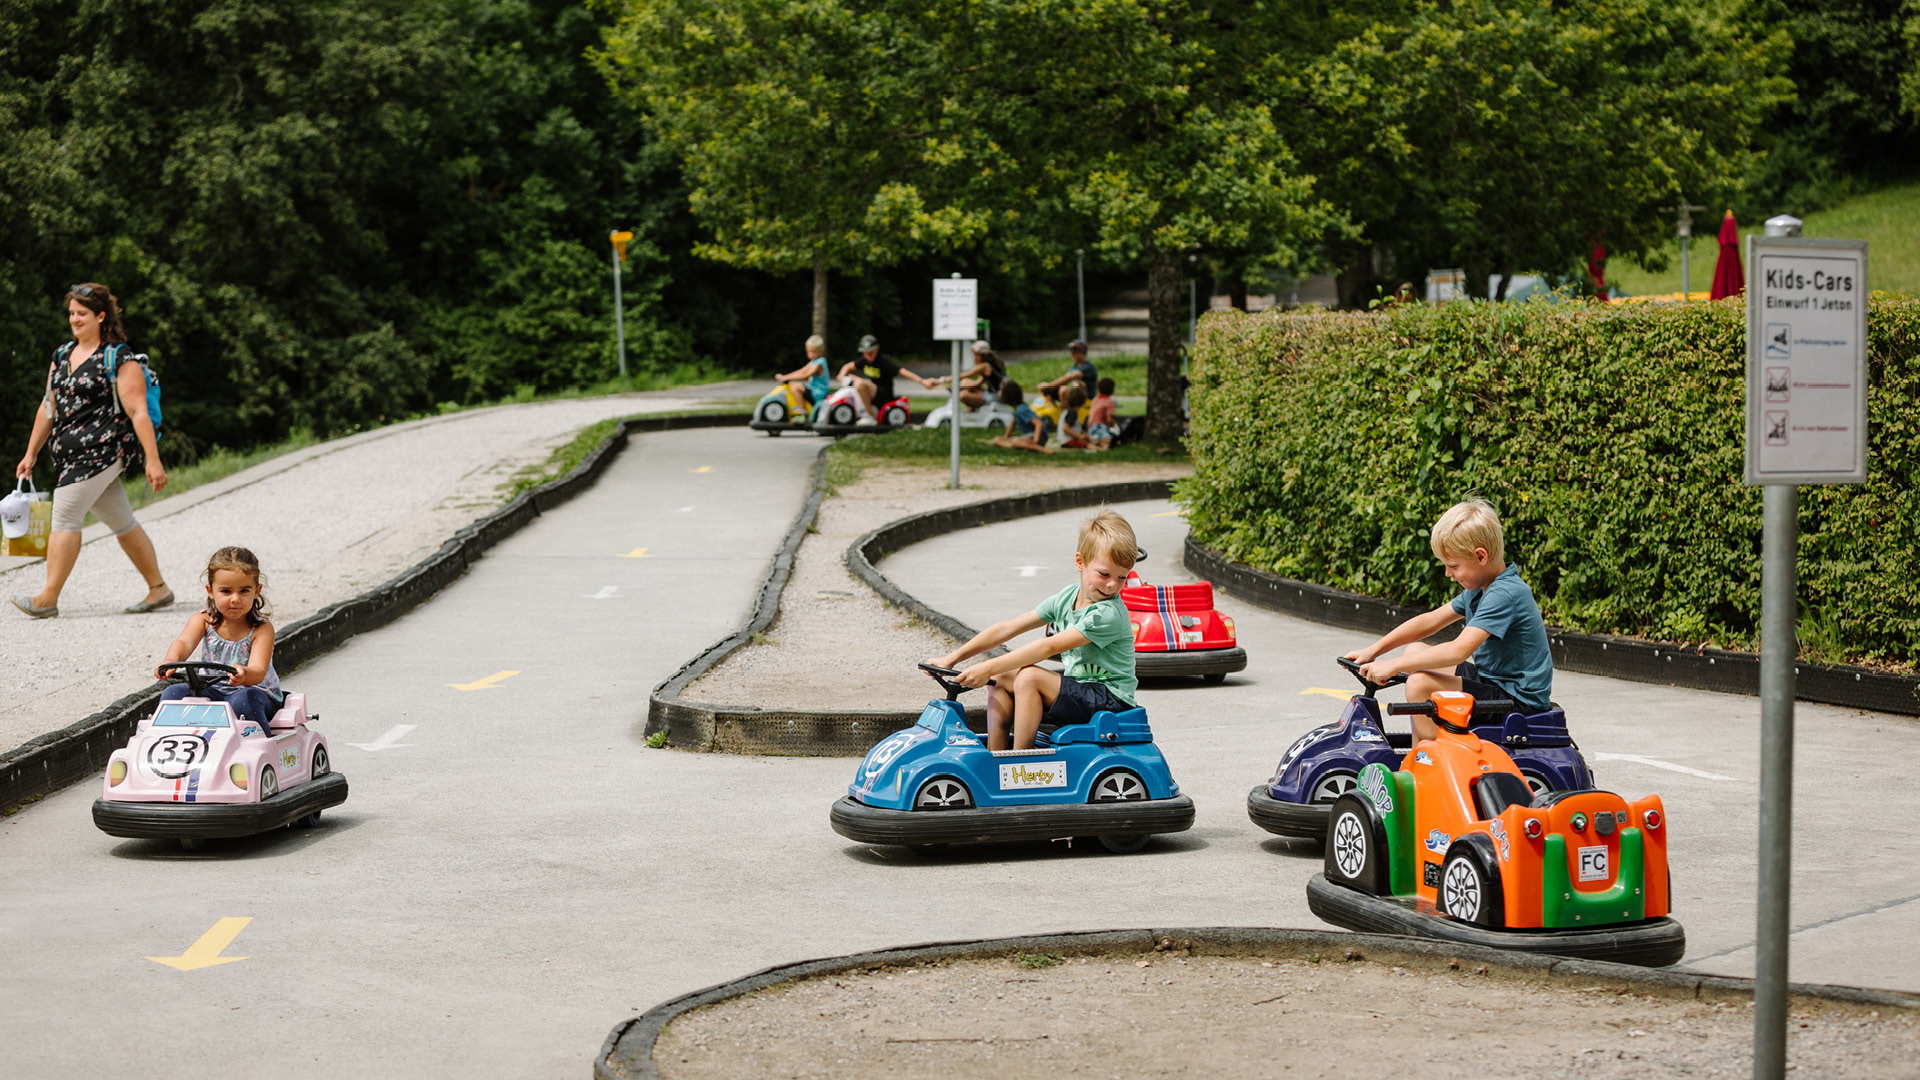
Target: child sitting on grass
x,y
1092,636
1100,417
1504,634
1073,417
1029,429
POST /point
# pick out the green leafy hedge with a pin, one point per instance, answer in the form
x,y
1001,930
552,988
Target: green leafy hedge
x,y
1608,437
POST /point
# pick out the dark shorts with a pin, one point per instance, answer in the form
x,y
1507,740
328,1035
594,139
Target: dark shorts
x,y
1078,701
1483,690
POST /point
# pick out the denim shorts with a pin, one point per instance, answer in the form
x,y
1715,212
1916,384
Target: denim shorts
x,y
1078,701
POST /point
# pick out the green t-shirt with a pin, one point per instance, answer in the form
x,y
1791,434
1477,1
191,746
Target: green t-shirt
x,y
1107,657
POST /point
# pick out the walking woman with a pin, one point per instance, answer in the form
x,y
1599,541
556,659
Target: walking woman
x,y
97,427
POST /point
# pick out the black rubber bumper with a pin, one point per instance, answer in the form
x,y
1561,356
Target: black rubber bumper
x,y
854,429
762,425
1653,943
171,820
1288,818
874,825
1158,665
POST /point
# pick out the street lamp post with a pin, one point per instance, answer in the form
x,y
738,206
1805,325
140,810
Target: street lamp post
x,y
1080,284
620,240
1683,228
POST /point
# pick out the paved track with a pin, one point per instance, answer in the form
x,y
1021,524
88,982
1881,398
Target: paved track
x,y
517,873
1856,902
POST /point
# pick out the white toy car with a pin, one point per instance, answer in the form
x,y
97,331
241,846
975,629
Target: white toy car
x,y
991,414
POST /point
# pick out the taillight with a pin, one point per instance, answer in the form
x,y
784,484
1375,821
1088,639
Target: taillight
x,y
1653,819
1534,828
116,772
1228,623
238,773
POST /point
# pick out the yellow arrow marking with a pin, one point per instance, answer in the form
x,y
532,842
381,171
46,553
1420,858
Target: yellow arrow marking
x,y
206,951
1169,513
1325,692
704,468
488,683
636,553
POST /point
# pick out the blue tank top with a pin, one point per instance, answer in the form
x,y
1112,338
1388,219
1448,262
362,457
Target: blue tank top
x,y
218,650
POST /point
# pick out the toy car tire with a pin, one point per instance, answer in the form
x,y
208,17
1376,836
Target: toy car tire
x,y
893,417
1305,820
841,415
1470,888
772,412
1357,846
1205,663
171,820
878,825
1654,943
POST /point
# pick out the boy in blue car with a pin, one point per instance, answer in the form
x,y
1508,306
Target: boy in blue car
x,y
1092,636
1504,635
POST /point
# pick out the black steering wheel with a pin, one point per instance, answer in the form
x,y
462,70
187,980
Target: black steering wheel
x,y
197,674
944,676
1372,688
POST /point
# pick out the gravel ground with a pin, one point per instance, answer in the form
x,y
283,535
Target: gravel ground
x,y
835,644
1226,1018
327,522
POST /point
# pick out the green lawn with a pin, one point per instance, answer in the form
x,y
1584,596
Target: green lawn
x,y
1888,220
932,447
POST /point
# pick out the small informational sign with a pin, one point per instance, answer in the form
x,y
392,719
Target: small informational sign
x,y
1806,360
1445,285
956,308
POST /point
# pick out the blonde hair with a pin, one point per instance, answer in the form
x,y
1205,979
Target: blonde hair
x,y
1468,525
816,342
240,561
1107,533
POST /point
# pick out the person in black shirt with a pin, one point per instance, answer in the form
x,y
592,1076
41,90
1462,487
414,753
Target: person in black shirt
x,y
873,377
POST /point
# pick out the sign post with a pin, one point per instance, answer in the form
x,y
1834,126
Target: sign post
x,y
1806,424
956,314
620,241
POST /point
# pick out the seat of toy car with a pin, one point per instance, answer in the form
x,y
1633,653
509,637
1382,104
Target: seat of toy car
x,y
293,712
1493,792
1104,727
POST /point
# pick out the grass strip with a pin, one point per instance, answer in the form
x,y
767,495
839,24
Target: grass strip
x,y
931,447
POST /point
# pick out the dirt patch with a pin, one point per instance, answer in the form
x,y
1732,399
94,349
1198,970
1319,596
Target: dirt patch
x,y
834,640
1127,1015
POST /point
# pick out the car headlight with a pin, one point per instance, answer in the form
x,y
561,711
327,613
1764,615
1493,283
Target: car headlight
x,y
116,772
238,774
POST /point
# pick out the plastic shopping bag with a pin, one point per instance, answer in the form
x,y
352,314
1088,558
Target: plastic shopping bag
x,y
26,517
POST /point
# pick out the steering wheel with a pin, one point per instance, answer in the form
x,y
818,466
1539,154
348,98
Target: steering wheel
x,y
944,676
1372,688
198,674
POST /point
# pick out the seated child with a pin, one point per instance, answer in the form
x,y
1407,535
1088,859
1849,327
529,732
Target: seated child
x,y
813,373
1073,417
1092,636
983,378
1029,429
1100,417
233,629
1504,634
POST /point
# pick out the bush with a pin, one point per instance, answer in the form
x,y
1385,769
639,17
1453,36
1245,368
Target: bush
x,y
1608,437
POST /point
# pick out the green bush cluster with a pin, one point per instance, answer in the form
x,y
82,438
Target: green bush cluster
x,y
1608,437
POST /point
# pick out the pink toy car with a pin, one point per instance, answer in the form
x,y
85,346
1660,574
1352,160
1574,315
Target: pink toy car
x,y
195,769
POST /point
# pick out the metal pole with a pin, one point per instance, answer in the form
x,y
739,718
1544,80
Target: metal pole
x,y
1686,289
1080,282
1778,651
619,315
1193,308
953,416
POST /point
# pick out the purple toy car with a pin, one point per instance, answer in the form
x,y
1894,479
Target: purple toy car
x,y
1325,763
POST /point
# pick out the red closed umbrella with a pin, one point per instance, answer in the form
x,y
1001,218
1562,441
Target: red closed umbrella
x,y
1728,278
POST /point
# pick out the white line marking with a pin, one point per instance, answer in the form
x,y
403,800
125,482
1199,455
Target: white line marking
x,y
389,741
606,593
684,510
1029,570
1658,764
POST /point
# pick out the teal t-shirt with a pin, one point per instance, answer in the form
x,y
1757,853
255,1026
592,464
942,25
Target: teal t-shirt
x,y
1107,657
817,384
1515,656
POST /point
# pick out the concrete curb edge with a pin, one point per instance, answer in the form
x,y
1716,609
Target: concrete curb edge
x,y
49,762
627,1053
1633,659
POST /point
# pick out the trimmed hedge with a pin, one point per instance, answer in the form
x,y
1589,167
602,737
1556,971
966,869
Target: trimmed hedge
x,y
1609,437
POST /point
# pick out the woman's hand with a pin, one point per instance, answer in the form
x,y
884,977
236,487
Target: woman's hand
x,y
25,468
156,473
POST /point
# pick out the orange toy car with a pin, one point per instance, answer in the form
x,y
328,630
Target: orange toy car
x,y
1456,846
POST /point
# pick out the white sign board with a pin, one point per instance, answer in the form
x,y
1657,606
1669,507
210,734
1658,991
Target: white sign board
x,y
956,309
1806,361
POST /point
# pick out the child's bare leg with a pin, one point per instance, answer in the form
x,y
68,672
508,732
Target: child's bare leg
x,y
1034,689
999,717
1420,687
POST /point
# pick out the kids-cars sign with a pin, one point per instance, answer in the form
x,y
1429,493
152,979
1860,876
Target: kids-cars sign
x,y
1806,360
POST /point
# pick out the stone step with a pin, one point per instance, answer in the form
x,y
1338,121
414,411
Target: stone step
x,y
1118,314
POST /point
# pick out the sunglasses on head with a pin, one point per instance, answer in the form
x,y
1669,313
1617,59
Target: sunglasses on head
x,y
84,292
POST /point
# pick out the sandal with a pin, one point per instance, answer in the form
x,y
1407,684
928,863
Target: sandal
x,y
26,604
145,605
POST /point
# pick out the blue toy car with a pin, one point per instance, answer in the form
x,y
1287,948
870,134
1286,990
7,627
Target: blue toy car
x,y
936,783
1325,763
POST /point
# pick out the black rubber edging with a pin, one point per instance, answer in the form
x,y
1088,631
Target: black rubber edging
x,y
627,1053
746,729
1633,659
49,762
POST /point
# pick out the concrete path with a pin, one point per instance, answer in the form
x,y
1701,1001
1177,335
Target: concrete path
x,y
1856,901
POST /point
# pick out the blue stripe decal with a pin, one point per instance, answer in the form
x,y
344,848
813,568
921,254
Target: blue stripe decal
x,y
1161,594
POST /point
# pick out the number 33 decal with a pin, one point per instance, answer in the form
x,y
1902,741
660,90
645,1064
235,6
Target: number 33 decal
x,y
175,755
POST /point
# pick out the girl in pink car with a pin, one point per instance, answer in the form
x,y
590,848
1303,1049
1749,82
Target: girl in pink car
x,y
234,630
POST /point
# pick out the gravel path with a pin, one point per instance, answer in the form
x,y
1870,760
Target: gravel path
x,y
327,522
835,644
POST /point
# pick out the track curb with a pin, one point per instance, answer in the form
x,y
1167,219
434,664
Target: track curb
x,y
49,762
747,729
1632,659
627,1053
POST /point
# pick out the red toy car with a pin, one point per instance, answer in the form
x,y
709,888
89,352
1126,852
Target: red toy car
x,y
1176,631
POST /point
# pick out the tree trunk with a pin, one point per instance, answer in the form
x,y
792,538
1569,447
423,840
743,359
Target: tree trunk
x,y
1164,422
820,298
1506,279
1237,290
